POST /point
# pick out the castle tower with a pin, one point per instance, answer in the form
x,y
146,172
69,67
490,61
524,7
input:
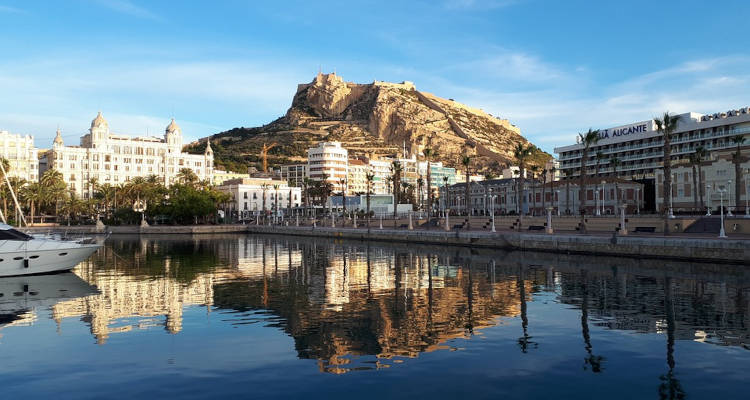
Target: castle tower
x,y
99,131
173,137
209,160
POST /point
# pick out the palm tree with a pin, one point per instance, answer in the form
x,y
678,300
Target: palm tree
x,y
666,126
369,177
466,161
342,182
264,189
693,163
445,185
521,153
33,195
396,170
534,173
615,163
567,190
737,160
700,154
306,192
186,176
587,140
428,154
420,187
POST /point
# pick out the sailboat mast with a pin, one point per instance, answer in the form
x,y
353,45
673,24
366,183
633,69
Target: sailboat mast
x,y
13,195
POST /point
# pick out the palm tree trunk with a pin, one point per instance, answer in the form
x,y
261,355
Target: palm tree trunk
x,y
701,192
468,198
737,179
544,192
429,190
667,180
695,189
582,191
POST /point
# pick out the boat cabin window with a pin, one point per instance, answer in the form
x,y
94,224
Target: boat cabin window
x,y
12,234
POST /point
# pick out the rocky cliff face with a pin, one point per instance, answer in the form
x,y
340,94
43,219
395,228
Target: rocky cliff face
x,y
380,119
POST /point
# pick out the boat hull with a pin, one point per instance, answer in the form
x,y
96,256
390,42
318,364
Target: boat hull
x,y
44,261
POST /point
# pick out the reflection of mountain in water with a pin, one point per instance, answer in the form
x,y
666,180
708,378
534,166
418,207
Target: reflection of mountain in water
x,y
351,305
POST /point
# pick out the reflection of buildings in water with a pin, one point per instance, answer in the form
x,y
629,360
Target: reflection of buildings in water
x,y
123,297
22,296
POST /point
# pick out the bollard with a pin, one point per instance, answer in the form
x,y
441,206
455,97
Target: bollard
x,y
381,221
355,221
411,226
447,222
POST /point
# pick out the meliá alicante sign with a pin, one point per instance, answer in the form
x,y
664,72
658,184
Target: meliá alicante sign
x,y
638,128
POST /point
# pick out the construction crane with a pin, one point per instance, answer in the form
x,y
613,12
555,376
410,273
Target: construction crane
x,y
264,154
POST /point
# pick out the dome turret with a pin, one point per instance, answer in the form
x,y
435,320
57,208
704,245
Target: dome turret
x,y
58,138
173,127
99,122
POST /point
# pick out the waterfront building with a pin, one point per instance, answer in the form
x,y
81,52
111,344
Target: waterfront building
x,y
604,193
382,171
115,159
328,160
639,146
294,174
221,176
461,177
716,174
257,196
22,156
357,177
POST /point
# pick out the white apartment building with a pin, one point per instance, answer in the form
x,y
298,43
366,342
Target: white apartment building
x,y
221,176
114,159
294,174
329,159
248,196
21,154
357,177
382,171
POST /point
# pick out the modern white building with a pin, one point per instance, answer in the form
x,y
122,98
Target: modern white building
x,y
639,146
115,159
328,160
258,196
22,156
294,174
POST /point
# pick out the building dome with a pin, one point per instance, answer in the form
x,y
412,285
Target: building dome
x,y
99,122
58,138
173,127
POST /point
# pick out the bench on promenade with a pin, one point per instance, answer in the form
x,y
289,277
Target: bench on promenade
x,y
536,227
649,229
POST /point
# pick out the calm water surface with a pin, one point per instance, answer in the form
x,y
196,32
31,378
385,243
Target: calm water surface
x,y
277,317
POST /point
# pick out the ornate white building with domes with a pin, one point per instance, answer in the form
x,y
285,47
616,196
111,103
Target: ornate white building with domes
x,y
114,159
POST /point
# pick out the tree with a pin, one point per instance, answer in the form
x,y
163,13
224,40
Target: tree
x,y
33,195
521,153
700,154
420,188
306,182
369,177
466,161
615,163
534,173
445,185
666,127
544,188
693,158
567,190
428,155
587,140
737,160
396,170
55,188
186,176
342,182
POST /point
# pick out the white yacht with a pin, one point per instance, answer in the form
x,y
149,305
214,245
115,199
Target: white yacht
x,y
21,254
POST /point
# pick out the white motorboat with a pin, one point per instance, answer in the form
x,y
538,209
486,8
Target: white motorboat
x,y
22,254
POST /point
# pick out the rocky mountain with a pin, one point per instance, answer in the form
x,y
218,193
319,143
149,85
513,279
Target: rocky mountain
x,y
373,119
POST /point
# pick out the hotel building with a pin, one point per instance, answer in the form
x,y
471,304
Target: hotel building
x,y
251,196
328,160
114,159
22,156
639,146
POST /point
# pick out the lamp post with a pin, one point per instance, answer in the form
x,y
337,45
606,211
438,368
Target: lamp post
x,y
549,220
558,202
623,229
729,199
747,195
708,200
637,202
596,199
722,234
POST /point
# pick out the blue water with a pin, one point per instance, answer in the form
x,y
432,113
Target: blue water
x,y
277,317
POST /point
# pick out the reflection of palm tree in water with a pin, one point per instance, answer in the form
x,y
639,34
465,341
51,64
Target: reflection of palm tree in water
x,y
592,360
265,280
670,387
469,327
525,341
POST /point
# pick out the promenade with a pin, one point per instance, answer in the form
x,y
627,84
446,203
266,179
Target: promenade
x,y
603,236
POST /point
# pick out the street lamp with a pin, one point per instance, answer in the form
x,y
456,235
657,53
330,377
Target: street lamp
x,y
747,195
722,234
708,200
558,201
637,202
596,199
602,196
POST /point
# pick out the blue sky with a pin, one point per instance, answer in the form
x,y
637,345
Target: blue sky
x,y
552,67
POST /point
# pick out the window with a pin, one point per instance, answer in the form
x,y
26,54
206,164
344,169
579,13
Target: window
x,y
244,195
